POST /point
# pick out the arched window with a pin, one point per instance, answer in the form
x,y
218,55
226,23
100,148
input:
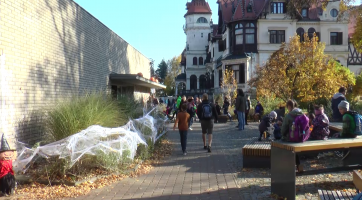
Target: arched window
x,y
239,39
201,20
193,82
201,61
300,32
311,32
202,81
250,33
194,62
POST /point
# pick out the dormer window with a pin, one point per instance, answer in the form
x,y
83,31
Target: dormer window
x,y
249,9
278,8
305,12
334,12
201,20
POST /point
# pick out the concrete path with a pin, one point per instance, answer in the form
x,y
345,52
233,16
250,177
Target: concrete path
x,y
198,175
218,175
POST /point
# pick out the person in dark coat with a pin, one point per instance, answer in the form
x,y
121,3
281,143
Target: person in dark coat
x,y
337,98
248,105
218,108
207,115
267,122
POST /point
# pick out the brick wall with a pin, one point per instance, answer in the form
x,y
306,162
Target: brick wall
x,y
51,49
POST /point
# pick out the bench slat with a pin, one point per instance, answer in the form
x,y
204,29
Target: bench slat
x,y
340,195
335,195
330,195
333,143
326,197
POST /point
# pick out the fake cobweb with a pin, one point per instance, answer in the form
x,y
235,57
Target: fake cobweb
x,y
122,141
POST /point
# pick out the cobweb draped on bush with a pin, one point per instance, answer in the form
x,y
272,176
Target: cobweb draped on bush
x,y
96,140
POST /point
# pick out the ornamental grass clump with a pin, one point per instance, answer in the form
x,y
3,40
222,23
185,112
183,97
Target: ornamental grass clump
x,y
72,115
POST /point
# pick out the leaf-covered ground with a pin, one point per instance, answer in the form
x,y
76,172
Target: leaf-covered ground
x,y
41,191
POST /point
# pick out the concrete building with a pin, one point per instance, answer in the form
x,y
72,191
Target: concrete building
x,y
54,48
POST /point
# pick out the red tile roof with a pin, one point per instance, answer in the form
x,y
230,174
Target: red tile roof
x,y
240,9
198,7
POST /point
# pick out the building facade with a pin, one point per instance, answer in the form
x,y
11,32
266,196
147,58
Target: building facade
x,y
249,31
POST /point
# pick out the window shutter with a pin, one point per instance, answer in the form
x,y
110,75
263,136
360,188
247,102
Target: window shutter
x,y
242,73
221,45
285,7
340,38
319,36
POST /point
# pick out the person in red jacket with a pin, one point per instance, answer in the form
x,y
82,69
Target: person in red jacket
x,y
7,179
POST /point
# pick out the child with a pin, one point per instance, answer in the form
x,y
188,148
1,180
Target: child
x,y
218,108
277,128
349,125
182,120
320,124
265,123
7,179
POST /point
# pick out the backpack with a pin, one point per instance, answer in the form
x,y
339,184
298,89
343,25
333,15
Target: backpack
x,y
206,111
191,110
358,120
300,131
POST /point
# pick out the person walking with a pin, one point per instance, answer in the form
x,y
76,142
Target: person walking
x,y
336,99
207,114
240,105
247,109
182,120
191,109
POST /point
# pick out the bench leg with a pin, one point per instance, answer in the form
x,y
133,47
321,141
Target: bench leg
x,y
354,157
283,173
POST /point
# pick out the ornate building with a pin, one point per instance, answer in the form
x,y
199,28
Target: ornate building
x,y
247,33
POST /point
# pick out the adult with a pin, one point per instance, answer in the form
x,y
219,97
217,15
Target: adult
x,y
207,114
240,106
259,110
337,98
320,124
248,105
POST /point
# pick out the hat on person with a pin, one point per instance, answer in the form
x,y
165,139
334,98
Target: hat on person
x,y
344,104
4,145
273,115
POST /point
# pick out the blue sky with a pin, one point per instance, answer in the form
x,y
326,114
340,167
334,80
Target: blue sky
x,y
152,27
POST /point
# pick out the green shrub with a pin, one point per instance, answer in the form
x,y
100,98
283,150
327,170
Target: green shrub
x,y
77,113
129,109
145,152
269,104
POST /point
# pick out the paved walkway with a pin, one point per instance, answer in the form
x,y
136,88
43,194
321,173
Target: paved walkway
x,y
215,176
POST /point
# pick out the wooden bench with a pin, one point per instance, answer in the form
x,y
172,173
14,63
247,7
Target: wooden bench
x,y
283,161
335,195
335,126
222,119
256,154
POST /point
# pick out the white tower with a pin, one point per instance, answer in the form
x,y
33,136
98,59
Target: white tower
x,y
197,28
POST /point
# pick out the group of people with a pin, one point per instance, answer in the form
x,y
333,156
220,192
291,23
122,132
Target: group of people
x,y
206,113
317,122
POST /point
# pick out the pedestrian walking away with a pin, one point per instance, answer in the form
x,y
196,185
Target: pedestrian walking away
x,y
182,120
247,109
207,114
240,106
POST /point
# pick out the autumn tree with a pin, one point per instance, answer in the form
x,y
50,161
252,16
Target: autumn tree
x,y
301,70
173,70
229,84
